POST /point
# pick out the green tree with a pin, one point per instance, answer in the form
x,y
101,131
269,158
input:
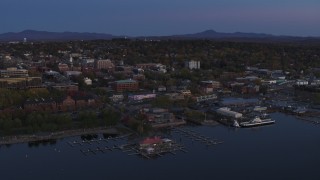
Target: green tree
x,y
88,119
162,102
110,117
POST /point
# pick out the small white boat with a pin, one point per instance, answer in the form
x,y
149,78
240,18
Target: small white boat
x,y
300,110
259,108
235,123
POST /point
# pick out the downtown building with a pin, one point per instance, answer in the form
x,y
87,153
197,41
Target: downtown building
x,y
192,64
104,64
126,85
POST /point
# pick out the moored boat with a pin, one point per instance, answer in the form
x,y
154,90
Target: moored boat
x,y
257,121
235,123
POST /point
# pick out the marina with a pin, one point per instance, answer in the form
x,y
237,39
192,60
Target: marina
x,y
194,136
170,147
149,148
97,141
122,158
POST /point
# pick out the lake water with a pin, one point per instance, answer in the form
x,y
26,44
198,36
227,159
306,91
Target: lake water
x,y
289,149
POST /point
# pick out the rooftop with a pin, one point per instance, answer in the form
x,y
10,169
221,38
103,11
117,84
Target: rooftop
x,y
126,81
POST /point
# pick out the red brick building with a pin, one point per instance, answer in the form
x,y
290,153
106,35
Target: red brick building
x,y
67,104
40,104
126,85
209,86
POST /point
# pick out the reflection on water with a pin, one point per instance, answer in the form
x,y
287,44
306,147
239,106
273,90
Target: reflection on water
x,y
288,149
42,143
89,137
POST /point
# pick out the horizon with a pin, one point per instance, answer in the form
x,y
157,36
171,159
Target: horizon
x,y
154,18
132,36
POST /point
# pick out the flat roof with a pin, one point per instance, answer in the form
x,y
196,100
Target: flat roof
x,y
126,81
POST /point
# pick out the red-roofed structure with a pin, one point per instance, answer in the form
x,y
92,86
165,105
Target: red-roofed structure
x,y
150,141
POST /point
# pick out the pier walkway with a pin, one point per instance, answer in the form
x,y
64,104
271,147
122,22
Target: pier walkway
x,y
197,136
97,141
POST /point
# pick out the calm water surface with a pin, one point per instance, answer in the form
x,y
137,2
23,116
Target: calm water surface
x,y
289,149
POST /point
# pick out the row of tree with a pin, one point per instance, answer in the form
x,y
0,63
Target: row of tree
x,y
35,122
45,122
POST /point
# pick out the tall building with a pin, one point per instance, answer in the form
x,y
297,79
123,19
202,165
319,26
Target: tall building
x,y
192,64
105,64
126,85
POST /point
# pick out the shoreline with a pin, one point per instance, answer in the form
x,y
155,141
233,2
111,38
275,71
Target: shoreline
x,y
9,140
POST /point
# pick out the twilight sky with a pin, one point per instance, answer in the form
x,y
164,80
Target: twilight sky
x,y
162,17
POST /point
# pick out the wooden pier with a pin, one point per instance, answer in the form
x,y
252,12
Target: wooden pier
x,y
313,121
134,149
98,150
168,147
197,137
96,141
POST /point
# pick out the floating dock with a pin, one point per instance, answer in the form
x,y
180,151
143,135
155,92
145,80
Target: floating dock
x,y
97,141
197,137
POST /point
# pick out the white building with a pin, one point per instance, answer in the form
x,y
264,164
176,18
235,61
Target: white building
x,y
162,89
87,81
73,73
117,97
161,68
206,98
192,64
227,112
302,82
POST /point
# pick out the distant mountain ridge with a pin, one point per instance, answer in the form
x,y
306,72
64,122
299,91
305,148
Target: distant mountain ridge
x,y
33,35
211,34
244,37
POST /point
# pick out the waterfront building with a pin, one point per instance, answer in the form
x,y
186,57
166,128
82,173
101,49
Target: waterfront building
x,y
158,115
227,112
